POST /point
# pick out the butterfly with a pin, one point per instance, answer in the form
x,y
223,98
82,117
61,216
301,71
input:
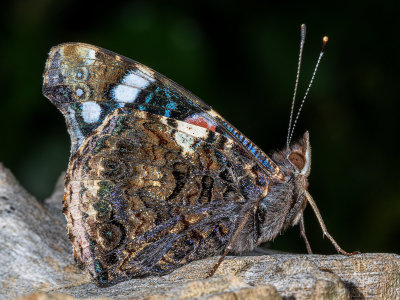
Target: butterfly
x,y
156,177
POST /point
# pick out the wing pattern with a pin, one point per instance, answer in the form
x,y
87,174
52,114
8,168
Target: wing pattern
x,y
156,178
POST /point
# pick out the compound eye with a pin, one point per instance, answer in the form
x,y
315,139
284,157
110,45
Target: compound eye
x,y
298,160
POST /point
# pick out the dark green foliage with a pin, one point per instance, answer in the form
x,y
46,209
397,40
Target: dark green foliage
x,y
242,61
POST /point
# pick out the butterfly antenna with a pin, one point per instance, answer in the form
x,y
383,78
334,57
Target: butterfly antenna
x,y
302,40
324,42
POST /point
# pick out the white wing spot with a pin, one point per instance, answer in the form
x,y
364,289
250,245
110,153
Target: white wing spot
x,y
193,130
91,56
130,87
185,141
91,112
126,94
79,92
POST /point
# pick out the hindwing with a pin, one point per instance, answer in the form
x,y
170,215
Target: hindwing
x,y
143,197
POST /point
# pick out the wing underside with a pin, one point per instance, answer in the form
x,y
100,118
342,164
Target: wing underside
x,y
145,197
87,83
156,177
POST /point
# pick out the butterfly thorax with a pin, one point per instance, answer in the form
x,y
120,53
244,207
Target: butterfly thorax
x,y
285,202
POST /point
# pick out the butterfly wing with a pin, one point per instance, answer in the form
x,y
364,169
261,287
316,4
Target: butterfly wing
x,y
87,83
143,197
146,190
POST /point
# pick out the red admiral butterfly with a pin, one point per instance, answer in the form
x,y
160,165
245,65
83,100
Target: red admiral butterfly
x,y
156,178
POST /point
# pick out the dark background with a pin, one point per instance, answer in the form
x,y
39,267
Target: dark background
x,y
241,59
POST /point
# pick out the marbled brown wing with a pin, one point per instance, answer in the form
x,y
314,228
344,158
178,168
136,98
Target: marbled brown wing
x,y
146,194
156,177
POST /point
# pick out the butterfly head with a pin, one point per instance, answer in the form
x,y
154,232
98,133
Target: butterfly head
x,y
298,155
295,160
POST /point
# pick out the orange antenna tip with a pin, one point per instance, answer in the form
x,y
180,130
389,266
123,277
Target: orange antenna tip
x,y
324,42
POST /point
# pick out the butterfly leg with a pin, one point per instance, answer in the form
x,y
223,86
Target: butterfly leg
x,y
303,235
323,227
231,242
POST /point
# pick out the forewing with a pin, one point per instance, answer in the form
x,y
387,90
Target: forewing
x,y
87,83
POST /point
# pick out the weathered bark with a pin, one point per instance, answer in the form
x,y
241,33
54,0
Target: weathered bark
x,y
36,260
